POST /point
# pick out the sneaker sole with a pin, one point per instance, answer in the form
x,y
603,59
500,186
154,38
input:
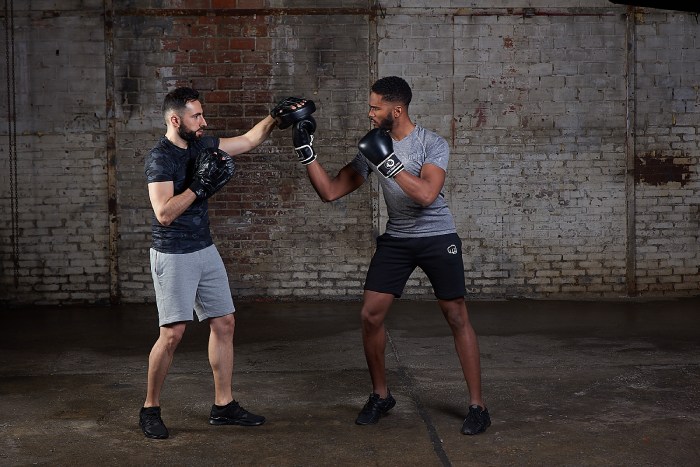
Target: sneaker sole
x,y
483,428
374,421
228,421
152,436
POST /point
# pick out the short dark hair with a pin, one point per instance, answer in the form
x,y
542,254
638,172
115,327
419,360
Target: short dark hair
x,y
393,89
177,99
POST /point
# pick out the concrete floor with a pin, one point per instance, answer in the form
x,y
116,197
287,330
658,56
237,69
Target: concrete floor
x,y
567,383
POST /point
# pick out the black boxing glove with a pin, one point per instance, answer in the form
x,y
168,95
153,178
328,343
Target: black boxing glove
x,y
303,139
213,168
378,148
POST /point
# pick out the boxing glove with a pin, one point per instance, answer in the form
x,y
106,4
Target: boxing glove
x,y
378,148
303,139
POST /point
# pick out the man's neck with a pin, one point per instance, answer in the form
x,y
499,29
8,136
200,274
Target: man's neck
x,y
402,129
174,138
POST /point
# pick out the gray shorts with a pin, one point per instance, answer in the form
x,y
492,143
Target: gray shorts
x,y
190,281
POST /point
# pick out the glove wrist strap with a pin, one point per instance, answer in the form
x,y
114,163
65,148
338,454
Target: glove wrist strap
x,y
305,154
390,166
198,189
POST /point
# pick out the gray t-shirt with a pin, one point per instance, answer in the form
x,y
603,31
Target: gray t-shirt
x,y
406,217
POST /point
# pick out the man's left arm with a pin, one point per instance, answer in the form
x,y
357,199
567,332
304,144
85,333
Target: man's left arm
x,y
425,188
250,140
378,148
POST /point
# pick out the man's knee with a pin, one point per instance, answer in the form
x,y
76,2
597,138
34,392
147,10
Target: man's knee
x,y
455,312
223,325
375,306
371,318
171,335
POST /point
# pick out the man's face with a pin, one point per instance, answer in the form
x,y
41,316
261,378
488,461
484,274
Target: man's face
x,y
192,123
381,112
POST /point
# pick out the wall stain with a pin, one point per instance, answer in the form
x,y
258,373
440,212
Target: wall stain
x,y
480,115
657,169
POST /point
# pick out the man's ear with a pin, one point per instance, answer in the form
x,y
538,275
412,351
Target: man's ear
x,y
174,120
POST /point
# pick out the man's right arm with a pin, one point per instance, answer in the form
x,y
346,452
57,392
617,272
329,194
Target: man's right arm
x,y
330,189
327,188
166,206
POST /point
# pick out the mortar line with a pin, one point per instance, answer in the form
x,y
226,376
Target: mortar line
x,y
410,384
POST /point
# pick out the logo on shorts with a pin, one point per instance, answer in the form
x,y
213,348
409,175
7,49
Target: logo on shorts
x,y
452,249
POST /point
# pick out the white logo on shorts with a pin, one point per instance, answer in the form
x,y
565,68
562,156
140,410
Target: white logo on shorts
x,y
452,249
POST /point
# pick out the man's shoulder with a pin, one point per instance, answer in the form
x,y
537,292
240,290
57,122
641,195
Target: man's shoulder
x,y
204,142
160,161
429,136
163,148
431,141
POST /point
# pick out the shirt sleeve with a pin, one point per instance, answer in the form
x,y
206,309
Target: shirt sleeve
x,y
159,167
438,152
211,142
359,163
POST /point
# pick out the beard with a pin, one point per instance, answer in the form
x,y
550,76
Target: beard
x,y
188,136
387,124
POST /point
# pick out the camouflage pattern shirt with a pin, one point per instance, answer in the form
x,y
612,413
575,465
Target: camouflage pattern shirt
x,y
169,163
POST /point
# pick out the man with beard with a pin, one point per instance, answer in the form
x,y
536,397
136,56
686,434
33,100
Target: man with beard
x,y
188,272
410,162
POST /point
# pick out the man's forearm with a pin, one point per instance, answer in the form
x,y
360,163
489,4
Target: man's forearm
x,y
251,139
320,180
260,131
175,206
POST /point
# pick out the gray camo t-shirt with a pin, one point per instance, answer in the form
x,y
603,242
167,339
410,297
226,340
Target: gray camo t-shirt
x,y
406,217
169,163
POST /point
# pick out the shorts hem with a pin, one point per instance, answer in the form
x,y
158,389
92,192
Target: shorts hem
x,y
389,292
204,318
452,297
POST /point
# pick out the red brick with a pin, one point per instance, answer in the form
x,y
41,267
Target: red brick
x,y
224,3
214,97
242,44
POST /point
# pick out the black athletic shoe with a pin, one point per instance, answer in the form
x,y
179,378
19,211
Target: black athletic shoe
x,y
375,408
477,421
151,423
233,414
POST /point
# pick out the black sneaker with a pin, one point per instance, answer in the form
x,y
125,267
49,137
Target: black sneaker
x,y
151,423
477,421
233,414
375,408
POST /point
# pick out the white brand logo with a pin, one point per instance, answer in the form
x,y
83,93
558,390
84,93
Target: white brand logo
x,y
452,249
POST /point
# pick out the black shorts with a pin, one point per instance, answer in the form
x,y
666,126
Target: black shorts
x,y
440,257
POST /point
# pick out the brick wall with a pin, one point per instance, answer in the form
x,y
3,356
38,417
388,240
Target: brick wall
x,y
574,168
667,194
61,170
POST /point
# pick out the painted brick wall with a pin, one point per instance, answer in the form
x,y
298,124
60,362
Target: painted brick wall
x,y
548,113
61,176
667,157
537,167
